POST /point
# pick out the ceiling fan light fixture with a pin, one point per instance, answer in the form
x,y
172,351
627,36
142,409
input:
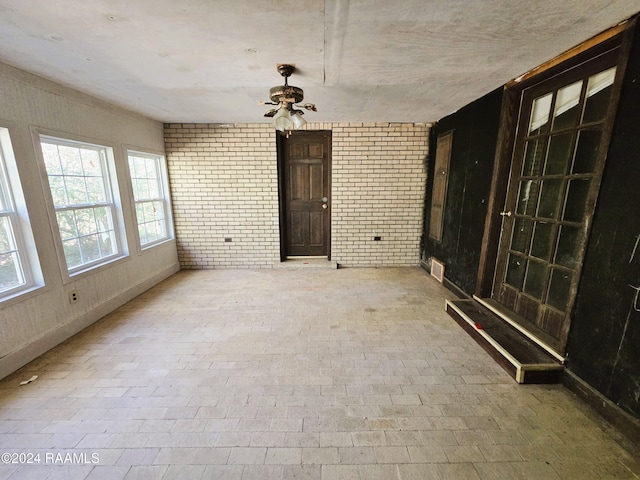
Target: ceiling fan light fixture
x,y
282,119
298,120
285,116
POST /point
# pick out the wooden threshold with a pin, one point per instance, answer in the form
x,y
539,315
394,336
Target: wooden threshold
x,y
523,359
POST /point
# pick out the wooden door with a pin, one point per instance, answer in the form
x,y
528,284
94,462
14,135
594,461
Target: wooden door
x,y
307,206
559,154
440,182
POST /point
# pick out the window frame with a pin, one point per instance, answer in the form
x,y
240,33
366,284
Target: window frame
x,y
164,198
113,203
18,217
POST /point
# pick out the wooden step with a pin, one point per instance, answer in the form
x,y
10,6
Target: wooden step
x,y
523,359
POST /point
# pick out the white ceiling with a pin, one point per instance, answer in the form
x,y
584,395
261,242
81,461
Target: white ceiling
x,y
359,61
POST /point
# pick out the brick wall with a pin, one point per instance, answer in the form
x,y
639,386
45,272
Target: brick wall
x,y
378,181
224,185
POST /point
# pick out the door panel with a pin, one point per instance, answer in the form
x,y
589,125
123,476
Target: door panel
x,y
316,229
557,164
306,204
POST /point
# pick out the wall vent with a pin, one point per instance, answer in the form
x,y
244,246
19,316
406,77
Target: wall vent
x,y
437,269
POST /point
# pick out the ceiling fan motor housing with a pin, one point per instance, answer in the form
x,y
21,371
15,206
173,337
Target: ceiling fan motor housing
x,y
286,94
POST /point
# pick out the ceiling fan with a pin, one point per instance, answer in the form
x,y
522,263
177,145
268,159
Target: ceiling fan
x,y
287,115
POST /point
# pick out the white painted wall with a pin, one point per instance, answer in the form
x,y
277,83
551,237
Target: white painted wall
x,y
38,321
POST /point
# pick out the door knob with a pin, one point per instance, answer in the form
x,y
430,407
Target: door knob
x,y
324,205
505,214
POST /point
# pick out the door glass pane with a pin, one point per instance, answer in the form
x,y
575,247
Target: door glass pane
x,y
576,200
565,113
534,283
542,238
515,271
587,151
598,93
533,157
569,245
548,207
539,122
520,237
527,197
559,288
558,155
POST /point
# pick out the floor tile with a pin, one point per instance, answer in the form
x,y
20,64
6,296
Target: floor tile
x,y
286,374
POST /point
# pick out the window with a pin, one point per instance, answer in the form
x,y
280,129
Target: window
x,y
19,267
80,179
150,193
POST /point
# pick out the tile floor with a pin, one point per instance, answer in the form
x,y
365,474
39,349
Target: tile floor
x,y
306,374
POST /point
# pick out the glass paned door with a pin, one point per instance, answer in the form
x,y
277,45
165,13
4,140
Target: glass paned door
x,y
557,164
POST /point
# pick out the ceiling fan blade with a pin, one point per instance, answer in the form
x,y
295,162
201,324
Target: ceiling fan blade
x,y
271,113
310,106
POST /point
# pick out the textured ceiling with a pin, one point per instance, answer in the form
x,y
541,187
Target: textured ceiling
x,y
359,61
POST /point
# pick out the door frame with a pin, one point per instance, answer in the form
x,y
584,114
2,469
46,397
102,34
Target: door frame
x,y
281,139
620,36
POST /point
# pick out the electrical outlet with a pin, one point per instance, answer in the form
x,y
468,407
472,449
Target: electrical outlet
x,y
73,296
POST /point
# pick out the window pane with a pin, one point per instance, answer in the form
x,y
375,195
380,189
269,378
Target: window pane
x,y
587,151
565,113
520,237
559,288
70,160
527,197
142,230
95,190
7,241
58,191
153,232
90,249
140,213
103,218
558,155
149,211
539,122
542,240
138,167
91,163
67,224
569,245
535,279
533,158
51,159
515,271
153,189
108,243
576,200
86,222
76,190
143,189
72,252
10,271
549,197
598,94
